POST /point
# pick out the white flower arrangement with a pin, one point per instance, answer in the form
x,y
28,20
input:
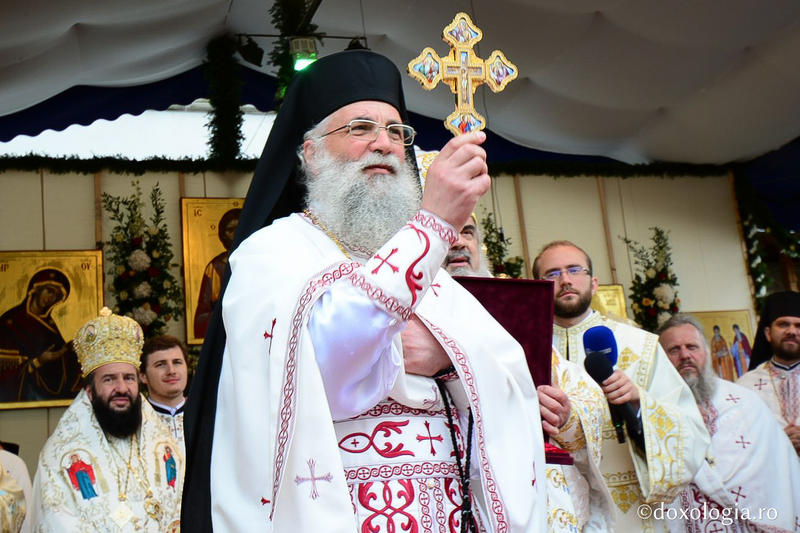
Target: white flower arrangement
x,y
139,260
142,290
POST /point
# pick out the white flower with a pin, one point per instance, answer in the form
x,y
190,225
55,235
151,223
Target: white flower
x,y
650,273
142,290
663,316
664,293
139,260
144,315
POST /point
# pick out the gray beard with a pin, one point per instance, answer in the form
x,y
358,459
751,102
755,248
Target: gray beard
x,y
362,211
702,385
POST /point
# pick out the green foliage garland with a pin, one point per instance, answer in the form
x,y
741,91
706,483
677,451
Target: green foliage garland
x,y
222,72
496,249
654,297
140,257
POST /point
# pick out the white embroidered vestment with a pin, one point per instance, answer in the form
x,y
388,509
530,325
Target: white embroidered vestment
x,y
280,463
87,482
675,437
750,480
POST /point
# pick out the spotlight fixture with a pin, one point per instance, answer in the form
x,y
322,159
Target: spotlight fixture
x,y
304,51
356,44
250,51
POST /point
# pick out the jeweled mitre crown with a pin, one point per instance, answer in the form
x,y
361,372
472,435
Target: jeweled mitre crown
x,y
109,338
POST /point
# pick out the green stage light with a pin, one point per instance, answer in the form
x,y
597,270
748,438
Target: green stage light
x,y
303,50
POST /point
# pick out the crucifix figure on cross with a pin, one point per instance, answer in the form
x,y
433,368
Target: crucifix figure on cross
x,y
463,71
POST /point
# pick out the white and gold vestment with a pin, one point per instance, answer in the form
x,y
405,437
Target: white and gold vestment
x,y
675,437
89,482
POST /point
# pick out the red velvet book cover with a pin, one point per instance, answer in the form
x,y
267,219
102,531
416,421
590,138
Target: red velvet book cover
x,y
524,307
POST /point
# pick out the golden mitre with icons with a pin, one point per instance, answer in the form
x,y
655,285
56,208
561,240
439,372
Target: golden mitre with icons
x,y
109,338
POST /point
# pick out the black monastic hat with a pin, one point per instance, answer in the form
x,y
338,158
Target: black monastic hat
x,y
275,191
775,305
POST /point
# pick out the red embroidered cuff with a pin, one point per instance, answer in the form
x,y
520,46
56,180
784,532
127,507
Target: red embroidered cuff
x,y
428,220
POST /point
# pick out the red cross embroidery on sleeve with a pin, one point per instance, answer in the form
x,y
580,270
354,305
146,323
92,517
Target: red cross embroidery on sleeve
x,y
268,334
385,262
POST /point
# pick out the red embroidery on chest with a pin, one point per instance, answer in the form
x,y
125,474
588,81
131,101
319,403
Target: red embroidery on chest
x,y
385,262
357,444
430,438
392,509
412,278
743,442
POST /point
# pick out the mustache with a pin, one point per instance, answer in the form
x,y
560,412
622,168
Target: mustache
x,y
374,158
120,395
460,254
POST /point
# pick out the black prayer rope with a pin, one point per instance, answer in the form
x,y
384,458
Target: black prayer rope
x,y
467,522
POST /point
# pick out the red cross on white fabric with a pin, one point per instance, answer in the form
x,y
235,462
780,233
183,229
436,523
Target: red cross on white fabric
x,y
732,398
429,438
738,493
385,262
716,529
743,442
760,384
268,335
435,286
313,479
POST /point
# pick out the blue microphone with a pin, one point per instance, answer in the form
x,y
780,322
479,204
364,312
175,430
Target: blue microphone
x,y
600,339
600,347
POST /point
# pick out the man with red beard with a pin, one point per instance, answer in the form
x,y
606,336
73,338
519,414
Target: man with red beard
x,y
346,382
674,435
733,487
100,470
777,380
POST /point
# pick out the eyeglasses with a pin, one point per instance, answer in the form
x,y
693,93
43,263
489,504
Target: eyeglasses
x,y
368,130
573,271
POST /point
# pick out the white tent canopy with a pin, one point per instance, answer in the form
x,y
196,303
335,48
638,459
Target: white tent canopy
x,y
638,80
177,133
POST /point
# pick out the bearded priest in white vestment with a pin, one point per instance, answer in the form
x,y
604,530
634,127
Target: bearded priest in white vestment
x,y
110,465
750,480
309,411
674,435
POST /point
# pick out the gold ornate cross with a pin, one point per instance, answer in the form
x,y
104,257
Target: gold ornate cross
x,y
463,71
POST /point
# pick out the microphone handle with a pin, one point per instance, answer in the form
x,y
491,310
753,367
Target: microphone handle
x,y
618,422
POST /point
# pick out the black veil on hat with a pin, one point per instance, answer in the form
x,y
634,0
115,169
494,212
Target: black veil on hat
x,y
776,305
275,191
